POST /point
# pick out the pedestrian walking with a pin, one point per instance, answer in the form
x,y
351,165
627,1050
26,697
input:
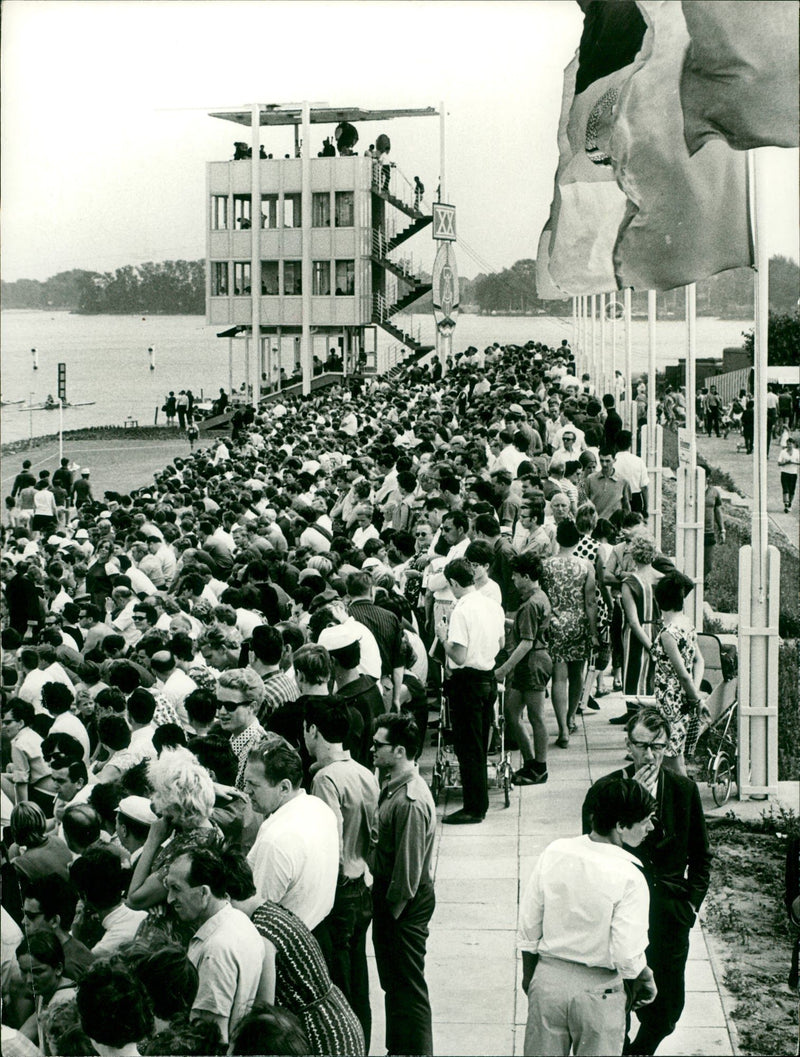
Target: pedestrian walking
x,y
789,462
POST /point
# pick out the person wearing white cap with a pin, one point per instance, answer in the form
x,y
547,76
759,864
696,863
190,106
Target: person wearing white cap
x,y
135,816
370,663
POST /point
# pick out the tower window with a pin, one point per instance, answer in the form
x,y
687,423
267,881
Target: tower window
x,y
269,211
219,279
241,278
344,209
292,278
269,278
241,211
345,278
321,271
291,211
219,212
321,209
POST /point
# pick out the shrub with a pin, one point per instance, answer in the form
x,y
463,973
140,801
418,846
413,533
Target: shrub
x,y
788,713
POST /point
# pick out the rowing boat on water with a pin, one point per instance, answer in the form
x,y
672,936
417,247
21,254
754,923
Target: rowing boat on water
x,y
54,406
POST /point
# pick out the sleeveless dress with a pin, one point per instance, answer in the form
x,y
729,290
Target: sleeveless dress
x,y
563,580
303,984
637,677
670,700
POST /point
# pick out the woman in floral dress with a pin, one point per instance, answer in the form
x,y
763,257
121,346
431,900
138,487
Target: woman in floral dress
x,y
678,669
183,797
568,581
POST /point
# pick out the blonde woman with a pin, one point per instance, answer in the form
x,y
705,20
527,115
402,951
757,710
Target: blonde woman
x,y
183,799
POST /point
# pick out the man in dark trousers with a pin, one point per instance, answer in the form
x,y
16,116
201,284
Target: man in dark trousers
x,y
677,864
403,898
612,424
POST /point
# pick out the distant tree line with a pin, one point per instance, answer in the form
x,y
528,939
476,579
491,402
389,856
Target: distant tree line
x,y
154,288
727,295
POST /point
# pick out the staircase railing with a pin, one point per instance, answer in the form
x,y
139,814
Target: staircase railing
x,y
392,180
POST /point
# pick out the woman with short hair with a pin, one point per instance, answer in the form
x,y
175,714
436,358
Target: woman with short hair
x,y
183,798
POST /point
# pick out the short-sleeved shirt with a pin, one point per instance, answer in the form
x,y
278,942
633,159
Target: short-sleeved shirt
x,y
534,670
477,623
228,954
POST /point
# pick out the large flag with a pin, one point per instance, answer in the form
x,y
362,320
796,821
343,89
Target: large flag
x,y
687,217
740,73
588,206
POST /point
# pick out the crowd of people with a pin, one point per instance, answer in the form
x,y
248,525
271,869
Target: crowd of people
x,y
216,694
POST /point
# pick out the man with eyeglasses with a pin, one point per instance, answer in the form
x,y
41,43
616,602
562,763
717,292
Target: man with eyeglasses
x,y
677,865
239,695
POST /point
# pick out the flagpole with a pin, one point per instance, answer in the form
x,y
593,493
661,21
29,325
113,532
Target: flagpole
x,y
630,404
759,563
652,432
574,326
614,390
593,302
690,505
600,384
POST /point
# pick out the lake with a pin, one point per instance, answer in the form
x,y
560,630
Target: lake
x,y
107,359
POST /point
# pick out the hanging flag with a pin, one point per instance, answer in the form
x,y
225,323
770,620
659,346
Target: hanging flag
x,y
588,206
740,74
546,289
686,217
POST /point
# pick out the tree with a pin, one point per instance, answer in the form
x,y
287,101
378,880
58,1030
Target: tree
x,y
783,338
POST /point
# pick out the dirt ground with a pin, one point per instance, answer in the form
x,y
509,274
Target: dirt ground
x,y
745,913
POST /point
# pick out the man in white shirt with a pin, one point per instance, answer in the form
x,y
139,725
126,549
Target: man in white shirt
x,y
57,700
172,682
471,641
226,949
455,530
583,930
295,858
629,467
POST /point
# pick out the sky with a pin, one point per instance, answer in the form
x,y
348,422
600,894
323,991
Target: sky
x,y
106,133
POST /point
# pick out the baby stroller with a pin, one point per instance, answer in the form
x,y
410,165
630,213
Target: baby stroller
x,y
503,769
446,773
716,744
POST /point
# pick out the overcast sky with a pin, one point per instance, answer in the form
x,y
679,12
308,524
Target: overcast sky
x,y
105,132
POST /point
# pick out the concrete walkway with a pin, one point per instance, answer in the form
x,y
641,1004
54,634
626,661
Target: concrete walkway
x,y
722,453
473,970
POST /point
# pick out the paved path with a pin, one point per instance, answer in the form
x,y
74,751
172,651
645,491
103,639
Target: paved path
x,y
722,453
473,970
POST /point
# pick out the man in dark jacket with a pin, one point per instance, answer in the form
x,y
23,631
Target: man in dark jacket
x,y
677,864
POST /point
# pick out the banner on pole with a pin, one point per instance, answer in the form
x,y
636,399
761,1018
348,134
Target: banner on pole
x,y
62,382
684,446
444,222
445,287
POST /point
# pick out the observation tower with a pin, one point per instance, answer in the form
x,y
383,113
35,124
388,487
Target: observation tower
x,y
301,250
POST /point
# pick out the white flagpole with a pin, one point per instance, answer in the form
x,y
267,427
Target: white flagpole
x,y
759,564
690,507
630,404
593,302
600,383
652,439
614,388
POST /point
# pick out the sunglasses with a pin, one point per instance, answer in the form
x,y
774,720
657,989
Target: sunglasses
x,y
231,706
379,744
